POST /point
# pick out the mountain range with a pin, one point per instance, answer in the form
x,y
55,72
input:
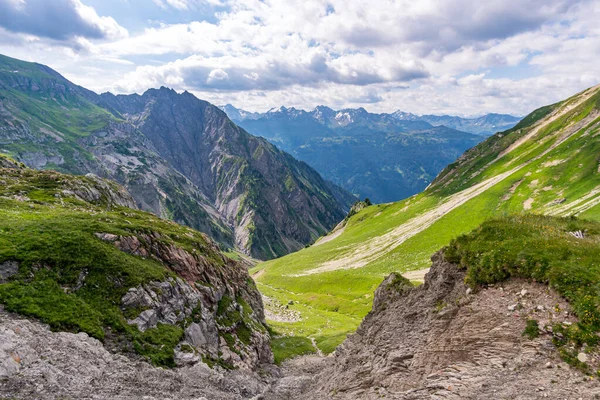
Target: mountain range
x,y
385,157
180,157
485,125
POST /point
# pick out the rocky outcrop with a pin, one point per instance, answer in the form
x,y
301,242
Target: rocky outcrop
x,y
173,298
6,162
219,309
442,340
18,181
98,190
8,269
36,363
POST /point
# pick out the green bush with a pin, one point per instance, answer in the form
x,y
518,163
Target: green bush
x,y
531,329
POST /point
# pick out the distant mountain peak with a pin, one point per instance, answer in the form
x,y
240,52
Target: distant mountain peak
x,y
280,109
404,116
484,125
323,108
237,114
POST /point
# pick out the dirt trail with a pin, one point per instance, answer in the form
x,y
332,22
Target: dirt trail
x,y
548,120
372,249
317,349
579,205
332,235
258,274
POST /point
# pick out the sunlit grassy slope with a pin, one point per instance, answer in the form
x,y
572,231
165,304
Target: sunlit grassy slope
x,y
548,164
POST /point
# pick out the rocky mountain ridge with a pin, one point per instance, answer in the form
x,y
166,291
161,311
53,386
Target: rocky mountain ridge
x,y
372,155
180,158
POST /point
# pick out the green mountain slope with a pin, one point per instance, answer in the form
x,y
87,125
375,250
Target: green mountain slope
x,y
74,254
546,164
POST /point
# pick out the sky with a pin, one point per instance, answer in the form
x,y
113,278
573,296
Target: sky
x,y
461,57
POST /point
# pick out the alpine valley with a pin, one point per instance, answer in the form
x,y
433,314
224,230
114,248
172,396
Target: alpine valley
x,y
130,227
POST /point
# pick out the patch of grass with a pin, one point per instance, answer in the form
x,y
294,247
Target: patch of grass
x,y
158,343
287,347
244,334
186,348
45,299
213,362
399,283
531,329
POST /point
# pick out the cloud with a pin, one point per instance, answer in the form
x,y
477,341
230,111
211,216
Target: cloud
x,y
269,45
272,73
430,56
185,4
60,20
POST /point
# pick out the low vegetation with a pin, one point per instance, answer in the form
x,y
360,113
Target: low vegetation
x,y
286,347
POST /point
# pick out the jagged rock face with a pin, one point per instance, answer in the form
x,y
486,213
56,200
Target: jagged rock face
x,y
103,190
124,154
36,363
275,203
220,308
443,341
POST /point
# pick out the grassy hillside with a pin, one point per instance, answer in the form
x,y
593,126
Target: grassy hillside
x,y
547,164
41,107
54,266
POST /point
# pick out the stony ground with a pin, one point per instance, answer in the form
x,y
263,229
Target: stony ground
x,y
438,341
36,363
442,341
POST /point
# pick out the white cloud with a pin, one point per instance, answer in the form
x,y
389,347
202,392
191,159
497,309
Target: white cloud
x,y
421,56
185,4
